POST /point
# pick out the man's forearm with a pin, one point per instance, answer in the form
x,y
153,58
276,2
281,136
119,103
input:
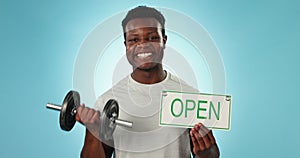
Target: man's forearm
x,y
92,147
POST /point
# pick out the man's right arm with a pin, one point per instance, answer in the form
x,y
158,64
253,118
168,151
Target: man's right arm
x,y
94,148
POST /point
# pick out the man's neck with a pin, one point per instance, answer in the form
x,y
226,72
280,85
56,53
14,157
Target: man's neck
x,y
149,76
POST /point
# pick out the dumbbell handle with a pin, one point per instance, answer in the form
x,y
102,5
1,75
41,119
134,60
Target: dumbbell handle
x,y
123,123
58,108
53,106
117,121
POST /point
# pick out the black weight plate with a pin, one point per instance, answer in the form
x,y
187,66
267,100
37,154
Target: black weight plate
x,y
106,129
67,119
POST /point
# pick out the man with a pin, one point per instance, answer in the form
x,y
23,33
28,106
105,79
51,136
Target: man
x,y
138,96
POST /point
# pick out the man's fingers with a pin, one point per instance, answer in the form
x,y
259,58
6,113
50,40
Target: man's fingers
x,y
206,132
79,111
96,117
206,142
87,115
90,114
207,135
202,130
211,137
199,139
195,142
196,147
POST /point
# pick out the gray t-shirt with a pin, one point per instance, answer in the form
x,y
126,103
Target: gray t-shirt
x,y
140,103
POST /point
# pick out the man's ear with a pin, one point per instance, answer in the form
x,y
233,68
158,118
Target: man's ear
x,y
165,40
124,34
125,44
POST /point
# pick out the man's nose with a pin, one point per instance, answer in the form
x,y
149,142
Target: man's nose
x,y
143,43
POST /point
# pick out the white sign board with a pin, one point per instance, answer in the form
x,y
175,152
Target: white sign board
x,y
185,109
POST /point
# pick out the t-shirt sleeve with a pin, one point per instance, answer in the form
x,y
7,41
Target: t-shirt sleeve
x,y
102,100
100,103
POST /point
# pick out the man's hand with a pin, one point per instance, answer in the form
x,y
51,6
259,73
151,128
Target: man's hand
x,y
204,143
90,118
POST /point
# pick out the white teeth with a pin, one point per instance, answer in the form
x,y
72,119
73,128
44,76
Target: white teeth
x,y
143,55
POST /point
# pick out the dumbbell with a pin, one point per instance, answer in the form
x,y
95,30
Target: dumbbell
x,y
109,117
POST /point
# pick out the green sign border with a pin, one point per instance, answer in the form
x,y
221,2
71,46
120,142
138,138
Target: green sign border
x,y
181,125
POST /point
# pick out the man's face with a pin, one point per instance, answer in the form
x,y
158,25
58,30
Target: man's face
x,y
144,43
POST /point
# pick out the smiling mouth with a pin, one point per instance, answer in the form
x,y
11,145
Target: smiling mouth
x,y
144,55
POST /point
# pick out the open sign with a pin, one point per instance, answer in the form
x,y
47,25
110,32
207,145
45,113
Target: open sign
x,y
185,109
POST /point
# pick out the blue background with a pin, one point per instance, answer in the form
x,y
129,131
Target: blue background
x,y
257,40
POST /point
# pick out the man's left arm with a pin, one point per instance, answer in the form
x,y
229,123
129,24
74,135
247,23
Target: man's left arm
x,y
203,143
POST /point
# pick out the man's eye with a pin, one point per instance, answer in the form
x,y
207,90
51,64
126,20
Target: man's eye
x,y
132,40
153,38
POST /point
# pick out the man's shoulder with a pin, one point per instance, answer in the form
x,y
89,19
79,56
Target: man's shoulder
x,y
184,86
110,93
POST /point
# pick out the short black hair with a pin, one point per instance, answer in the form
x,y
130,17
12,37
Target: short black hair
x,y
144,12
